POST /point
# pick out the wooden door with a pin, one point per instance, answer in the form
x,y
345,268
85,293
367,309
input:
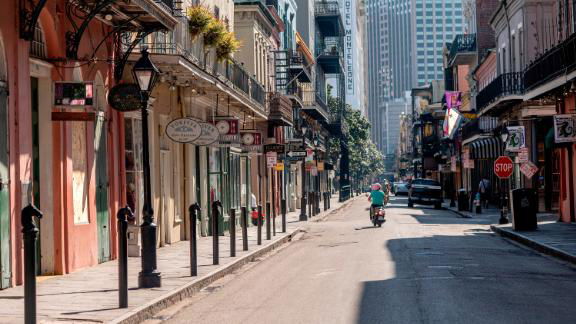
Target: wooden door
x,y
5,266
102,212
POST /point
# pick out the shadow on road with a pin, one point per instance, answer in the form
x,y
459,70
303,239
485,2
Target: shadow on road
x,y
469,278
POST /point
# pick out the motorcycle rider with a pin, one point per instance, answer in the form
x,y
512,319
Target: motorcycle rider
x,y
377,197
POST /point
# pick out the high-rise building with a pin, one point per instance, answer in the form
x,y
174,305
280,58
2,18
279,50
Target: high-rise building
x,y
404,49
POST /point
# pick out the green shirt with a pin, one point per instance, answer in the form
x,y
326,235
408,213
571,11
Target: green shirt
x,y
377,197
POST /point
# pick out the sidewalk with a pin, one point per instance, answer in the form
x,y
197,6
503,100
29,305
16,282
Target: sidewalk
x,y
552,238
91,294
492,215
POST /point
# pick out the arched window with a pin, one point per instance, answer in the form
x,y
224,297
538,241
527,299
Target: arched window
x,y
38,44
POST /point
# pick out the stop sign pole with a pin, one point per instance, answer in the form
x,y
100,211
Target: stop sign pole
x,y
503,168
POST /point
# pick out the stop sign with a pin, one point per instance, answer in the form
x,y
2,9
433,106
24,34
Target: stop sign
x,y
503,167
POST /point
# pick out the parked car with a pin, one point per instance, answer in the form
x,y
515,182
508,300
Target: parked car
x,y
400,189
425,192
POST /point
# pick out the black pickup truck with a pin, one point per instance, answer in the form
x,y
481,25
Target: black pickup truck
x,y
425,192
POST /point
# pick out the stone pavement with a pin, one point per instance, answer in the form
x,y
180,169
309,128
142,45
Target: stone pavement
x,y
552,238
91,295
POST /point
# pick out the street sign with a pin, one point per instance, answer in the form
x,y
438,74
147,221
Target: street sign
x,y
295,147
503,167
271,159
280,166
320,165
529,169
523,155
296,154
278,148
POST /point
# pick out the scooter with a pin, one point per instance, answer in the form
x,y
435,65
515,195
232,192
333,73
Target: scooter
x,y
378,214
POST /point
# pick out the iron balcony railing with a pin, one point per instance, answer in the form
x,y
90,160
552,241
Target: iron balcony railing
x,y
257,92
504,85
462,44
556,61
173,6
327,8
331,46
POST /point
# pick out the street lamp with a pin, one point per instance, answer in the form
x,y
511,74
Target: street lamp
x,y
504,196
146,75
303,217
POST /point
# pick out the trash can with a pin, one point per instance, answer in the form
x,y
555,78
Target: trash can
x,y
524,207
463,200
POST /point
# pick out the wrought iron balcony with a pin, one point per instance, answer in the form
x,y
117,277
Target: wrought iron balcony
x,y
299,67
281,109
559,60
314,105
329,18
173,6
462,49
505,85
330,54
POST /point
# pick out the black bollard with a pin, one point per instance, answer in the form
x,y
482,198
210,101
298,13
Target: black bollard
x,y
215,232
310,203
194,211
123,216
274,219
30,235
325,201
232,232
283,211
268,222
244,222
259,221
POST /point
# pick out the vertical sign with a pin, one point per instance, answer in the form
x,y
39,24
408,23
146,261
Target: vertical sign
x,y
348,46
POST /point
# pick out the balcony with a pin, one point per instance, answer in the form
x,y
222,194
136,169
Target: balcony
x,y
314,106
505,88
299,67
330,55
280,110
328,18
557,61
463,50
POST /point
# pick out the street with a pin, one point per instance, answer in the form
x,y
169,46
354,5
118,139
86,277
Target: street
x,y
422,266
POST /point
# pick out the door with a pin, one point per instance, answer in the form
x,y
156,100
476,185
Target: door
x,y
5,267
102,214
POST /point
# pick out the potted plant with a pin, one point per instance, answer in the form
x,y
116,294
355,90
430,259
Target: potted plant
x,y
227,46
199,18
214,33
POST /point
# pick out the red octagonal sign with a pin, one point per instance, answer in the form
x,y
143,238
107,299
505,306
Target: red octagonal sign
x,y
503,167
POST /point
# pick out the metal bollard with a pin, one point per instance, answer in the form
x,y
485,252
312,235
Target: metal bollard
x,y
268,222
30,235
310,203
232,232
325,201
274,219
123,216
194,211
244,223
259,221
215,232
283,211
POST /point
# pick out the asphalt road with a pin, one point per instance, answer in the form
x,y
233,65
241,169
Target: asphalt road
x,y
422,266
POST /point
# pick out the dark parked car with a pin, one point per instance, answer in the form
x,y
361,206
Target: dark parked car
x,y
425,192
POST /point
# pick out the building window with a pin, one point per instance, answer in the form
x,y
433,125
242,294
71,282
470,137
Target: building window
x,y
38,44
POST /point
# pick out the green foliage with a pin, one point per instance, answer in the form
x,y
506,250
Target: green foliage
x,y
227,46
365,159
199,18
215,33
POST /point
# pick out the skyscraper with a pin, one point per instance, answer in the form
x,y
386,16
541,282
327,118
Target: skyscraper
x,y
405,41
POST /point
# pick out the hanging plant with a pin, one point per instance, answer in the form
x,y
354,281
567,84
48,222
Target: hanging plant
x,y
199,18
227,46
214,33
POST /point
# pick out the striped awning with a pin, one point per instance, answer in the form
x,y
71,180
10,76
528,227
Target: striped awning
x,y
486,148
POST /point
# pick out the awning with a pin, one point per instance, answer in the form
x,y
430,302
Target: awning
x,y
486,148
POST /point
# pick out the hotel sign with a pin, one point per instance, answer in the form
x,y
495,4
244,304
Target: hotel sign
x,y
348,46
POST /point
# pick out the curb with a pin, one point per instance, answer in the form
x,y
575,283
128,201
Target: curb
x,y
462,215
540,247
323,215
148,310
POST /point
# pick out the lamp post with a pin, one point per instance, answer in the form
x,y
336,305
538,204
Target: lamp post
x,y
303,217
146,75
504,195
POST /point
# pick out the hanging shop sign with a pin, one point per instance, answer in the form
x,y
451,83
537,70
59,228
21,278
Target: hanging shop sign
x,y
320,165
208,136
271,159
251,141
516,138
228,127
529,169
565,128
183,130
73,116
73,94
314,171
125,97
278,148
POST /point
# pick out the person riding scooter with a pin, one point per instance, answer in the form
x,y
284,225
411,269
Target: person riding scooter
x,y
377,197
